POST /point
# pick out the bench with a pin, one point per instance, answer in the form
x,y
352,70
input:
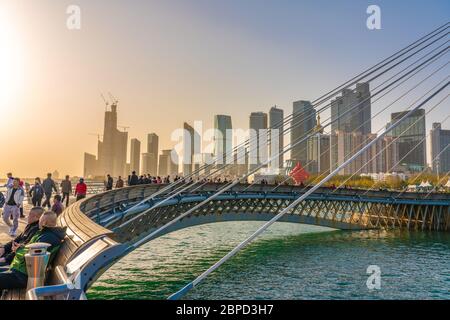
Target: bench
x,y
86,246
13,294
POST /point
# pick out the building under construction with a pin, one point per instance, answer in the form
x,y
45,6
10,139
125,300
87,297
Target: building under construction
x,y
112,151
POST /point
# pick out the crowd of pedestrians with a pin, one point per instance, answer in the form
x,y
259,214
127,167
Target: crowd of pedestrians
x,y
55,197
42,193
134,179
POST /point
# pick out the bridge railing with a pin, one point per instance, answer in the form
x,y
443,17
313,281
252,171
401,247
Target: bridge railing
x,y
113,200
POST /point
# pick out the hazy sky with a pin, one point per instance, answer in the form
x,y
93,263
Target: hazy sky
x,y
174,61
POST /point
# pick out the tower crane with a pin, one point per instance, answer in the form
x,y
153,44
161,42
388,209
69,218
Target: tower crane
x,y
114,100
106,102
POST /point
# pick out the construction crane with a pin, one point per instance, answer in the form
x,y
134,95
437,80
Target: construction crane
x,y
114,100
106,102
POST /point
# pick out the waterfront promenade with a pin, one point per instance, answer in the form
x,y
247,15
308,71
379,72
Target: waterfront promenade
x,y
4,236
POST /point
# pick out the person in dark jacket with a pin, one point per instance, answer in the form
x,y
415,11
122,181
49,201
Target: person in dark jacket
x,y
6,253
66,189
109,183
48,185
119,183
134,179
16,276
36,192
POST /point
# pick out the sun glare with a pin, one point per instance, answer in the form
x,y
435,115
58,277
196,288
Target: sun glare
x,y
11,62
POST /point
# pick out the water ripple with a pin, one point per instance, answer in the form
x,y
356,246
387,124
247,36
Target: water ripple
x,y
290,261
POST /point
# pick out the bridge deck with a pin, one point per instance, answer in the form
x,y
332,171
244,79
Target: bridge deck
x,y
89,247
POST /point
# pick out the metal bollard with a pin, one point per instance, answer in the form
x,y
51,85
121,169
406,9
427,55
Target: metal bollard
x,y
36,259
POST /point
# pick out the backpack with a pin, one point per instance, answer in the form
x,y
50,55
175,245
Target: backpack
x,y
2,200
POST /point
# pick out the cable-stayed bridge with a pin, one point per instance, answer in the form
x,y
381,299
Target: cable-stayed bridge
x,y
106,227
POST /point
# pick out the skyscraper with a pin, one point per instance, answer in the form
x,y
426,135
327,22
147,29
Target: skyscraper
x,y
302,124
150,159
222,138
276,117
258,139
188,148
152,143
318,151
391,157
440,149
90,165
166,164
352,110
381,157
350,113
344,145
410,134
112,151
135,153
146,163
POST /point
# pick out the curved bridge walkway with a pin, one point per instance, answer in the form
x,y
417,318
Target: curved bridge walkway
x,y
104,228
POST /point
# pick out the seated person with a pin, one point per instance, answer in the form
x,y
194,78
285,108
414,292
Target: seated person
x,y
16,275
57,206
6,252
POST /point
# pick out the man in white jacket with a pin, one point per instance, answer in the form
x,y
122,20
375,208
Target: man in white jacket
x,y
13,201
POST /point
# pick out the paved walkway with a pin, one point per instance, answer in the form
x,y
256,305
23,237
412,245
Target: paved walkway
x,y
4,229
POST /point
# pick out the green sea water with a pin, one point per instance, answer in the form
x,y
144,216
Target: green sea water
x,y
290,261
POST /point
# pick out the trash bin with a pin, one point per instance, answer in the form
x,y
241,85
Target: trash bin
x,y
37,260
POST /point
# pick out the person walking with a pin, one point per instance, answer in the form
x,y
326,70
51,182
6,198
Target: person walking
x,y
119,183
66,189
134,179
48,185
13,201
80,190
109,183
36,192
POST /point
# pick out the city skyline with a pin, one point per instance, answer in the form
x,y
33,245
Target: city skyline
x,y
402,150
46,66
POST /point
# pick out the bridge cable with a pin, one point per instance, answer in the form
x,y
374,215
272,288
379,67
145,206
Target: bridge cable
x,y
322,98
176,192
365,122
433,159
383,149
260,230
227,187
